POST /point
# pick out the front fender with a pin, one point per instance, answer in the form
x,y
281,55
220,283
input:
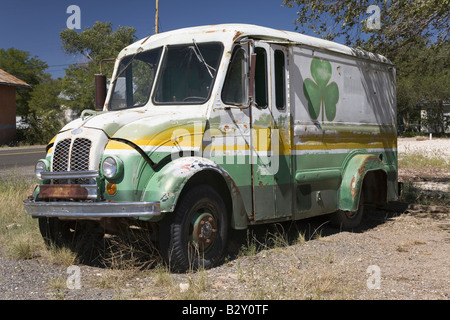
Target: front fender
x,y
353,177
167,184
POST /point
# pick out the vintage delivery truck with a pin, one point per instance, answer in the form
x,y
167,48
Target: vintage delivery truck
x,y
209,128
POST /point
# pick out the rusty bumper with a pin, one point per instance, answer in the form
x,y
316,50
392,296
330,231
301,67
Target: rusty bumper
x,y
86,210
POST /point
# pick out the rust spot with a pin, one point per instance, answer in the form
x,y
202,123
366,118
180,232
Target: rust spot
x,y
361,170
353,187
187,166
63,191
145,40
237,35
235,189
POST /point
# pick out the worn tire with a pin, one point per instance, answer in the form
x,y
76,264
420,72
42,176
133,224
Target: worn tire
x,y
195,235
68,233
55,232
347,220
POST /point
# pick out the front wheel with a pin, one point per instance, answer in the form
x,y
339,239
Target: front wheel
x,y
195,235
69,233
56,232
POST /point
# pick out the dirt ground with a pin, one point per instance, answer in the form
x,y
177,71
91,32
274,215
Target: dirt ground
x,y
427,178
401,252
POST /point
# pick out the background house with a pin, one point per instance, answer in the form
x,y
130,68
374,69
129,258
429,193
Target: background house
x,y
8,85
435,119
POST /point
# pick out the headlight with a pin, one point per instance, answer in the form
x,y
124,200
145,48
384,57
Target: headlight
x,y
41,166
111,167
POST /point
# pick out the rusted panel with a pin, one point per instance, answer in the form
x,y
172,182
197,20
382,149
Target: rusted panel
x,y
237,35
145,40
63,191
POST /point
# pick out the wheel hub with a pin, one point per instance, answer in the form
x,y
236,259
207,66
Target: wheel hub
x,y
204,230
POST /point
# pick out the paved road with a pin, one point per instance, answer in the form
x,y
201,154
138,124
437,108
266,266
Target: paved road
x,y
20,161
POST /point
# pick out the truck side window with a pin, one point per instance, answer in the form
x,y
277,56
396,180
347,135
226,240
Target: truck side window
x,y
279,79
261,78
233,91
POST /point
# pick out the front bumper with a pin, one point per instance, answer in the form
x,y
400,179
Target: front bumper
x,y
84,210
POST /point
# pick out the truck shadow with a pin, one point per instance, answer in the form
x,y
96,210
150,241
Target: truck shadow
x,y
135,248
264,237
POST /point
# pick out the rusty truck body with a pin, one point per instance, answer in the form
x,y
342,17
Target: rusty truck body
x,y
210,128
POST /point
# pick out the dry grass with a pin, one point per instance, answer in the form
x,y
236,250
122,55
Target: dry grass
x,y
19,235
414,159
132,256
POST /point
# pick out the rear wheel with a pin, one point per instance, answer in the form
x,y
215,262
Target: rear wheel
x,y
195,235
348,220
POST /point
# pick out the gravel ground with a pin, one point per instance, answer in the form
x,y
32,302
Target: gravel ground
x,y
398,253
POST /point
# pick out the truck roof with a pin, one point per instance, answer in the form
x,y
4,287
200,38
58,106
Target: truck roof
x,y
231,32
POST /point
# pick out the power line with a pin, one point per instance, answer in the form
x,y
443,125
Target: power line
x,y
69,64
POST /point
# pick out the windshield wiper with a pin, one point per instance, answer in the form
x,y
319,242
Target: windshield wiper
x,y
199,55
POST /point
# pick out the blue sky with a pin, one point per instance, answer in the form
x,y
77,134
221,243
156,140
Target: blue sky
x,y
35,25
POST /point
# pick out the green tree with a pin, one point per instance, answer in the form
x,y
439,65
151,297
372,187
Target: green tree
x,y
423,75
29,69
93,44
45,96
45,117
402,21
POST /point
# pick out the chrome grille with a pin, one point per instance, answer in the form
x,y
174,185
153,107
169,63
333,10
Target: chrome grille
x,y
71,164
61,156
79,159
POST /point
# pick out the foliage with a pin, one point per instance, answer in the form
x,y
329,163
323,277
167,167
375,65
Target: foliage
x,y
45,96
26,68
401,21
423,72
43,128
93,44
45,115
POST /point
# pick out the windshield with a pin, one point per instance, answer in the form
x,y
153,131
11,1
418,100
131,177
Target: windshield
x,y
188,73
134,80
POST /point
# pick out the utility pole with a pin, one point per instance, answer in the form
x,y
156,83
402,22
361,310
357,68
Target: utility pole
x,y
156,16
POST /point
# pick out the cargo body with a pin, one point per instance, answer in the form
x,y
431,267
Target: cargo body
x,y
210,128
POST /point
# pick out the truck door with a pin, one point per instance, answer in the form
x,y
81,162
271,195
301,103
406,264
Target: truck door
x,y
280,109
270,135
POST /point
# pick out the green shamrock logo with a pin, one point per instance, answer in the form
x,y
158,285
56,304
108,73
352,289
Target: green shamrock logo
x,y
318,93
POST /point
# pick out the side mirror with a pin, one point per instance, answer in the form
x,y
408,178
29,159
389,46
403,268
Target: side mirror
x,y
100,91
